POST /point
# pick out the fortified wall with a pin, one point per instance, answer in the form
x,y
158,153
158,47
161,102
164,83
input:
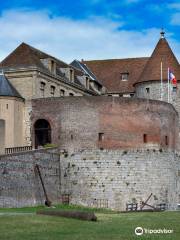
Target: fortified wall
x,y
107,122
112,151
94,178
117,150
113,178
20,182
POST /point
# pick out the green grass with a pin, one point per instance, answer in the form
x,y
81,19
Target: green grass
x,y
110,225
56,207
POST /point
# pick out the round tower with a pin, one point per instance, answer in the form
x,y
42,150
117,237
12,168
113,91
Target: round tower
x,y
155,81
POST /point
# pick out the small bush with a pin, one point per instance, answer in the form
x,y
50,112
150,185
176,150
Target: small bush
x,y
50,145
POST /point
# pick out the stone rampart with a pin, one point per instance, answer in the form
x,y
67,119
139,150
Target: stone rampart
x,y
20,184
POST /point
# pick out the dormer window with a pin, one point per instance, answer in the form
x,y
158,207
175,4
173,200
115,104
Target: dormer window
x,y
52,66
87,82
124,76
53,90
71,75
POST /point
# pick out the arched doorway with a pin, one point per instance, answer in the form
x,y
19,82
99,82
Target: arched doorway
x,y
2,136
42,130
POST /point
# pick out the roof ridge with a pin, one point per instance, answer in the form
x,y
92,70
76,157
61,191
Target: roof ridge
x,y
44,53
115,59
25,55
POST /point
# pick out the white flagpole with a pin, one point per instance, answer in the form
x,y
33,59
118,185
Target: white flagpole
x,y
161,83
168,85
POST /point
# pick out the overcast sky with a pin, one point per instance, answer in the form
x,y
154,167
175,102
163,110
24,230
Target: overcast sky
x,y
94,29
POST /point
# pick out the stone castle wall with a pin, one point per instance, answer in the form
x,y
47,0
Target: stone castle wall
x,y
20,184
95,178
112,178
76,122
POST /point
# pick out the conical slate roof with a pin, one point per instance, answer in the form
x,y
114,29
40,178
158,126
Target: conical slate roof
x,y
6,88
162,53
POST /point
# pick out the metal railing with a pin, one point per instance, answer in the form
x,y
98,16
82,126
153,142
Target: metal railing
x,y
17,149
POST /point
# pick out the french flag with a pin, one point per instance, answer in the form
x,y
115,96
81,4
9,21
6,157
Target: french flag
x,y
172,78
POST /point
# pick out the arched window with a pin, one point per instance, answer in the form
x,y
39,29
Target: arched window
x,y
42,130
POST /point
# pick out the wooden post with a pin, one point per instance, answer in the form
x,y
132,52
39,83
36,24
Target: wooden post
x,y
47,202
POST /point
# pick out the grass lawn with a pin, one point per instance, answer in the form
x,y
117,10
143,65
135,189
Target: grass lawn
x,y
24,224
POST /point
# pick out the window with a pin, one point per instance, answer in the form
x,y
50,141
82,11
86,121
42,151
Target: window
x,y
99,88
101,137
53,67
52,90
62,92
7,106
166,140
71,77
87,82
71,94
145,138
124,76
42,88
148,90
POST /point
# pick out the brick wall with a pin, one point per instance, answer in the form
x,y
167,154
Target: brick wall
x,y
77,121
154,93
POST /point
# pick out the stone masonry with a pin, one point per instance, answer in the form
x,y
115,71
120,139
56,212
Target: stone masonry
x,y
20,184
112,178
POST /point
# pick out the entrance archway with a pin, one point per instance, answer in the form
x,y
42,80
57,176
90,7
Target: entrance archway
x,y
42,130
2,136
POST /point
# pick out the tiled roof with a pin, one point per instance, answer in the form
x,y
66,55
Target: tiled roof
x,y
109,71
162,53
6,88
25,55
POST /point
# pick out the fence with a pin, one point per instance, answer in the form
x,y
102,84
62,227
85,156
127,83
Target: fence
x,y
17,149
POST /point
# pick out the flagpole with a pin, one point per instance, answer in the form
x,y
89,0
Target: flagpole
x,y
168,85
161,83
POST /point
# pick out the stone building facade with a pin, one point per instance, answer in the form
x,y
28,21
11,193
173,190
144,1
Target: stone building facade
x,y
35,74
115,129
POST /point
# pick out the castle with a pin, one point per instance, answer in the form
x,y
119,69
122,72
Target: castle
x,y
113,126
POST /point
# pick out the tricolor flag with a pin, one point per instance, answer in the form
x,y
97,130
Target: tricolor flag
x,y
172,78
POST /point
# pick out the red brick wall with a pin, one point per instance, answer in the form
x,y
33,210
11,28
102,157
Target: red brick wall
x,y
77,121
